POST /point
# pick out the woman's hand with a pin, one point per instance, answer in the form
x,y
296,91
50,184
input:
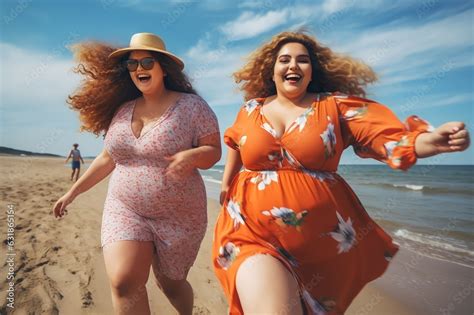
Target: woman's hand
x,y
59,208
181,164
449,137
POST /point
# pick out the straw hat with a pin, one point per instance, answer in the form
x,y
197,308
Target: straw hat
x,y
147,41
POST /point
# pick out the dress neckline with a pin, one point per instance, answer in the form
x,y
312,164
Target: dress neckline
x,y
291,126
152,125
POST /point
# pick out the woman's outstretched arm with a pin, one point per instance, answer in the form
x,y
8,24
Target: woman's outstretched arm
x,y
100,168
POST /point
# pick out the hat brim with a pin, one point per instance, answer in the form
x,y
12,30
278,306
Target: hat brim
x,y
120,52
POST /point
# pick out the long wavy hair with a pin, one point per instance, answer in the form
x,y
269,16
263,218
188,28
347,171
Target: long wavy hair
x,y
107,84
331,72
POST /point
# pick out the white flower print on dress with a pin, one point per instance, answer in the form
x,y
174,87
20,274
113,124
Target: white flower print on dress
x,y
227,255
287,217
301,120
264,179
329,139
344,234
390,147
355,113
242,141
321,176
276,156
416,118
269,128
290,158
233,208
250,106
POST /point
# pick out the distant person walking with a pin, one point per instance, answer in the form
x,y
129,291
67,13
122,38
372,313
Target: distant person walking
x,y
76,161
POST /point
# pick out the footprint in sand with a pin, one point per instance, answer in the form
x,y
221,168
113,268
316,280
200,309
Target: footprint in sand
x,y
28,269
87,299
201,310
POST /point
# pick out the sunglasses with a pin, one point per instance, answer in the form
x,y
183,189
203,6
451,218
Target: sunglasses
x,y
147,63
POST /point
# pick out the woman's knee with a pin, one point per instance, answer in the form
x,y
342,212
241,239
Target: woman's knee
x,y
172,288
267,274
126,284
128,266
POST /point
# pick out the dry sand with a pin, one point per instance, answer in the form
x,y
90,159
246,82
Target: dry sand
x,y
58,264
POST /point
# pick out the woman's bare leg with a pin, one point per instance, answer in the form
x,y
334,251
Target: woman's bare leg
x,y
179,292
265,286
128,267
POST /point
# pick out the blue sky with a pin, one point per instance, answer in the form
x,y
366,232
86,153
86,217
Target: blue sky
x,y
422,51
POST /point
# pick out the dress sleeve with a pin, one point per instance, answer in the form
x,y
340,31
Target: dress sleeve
x,y
233,134
204,120
375,132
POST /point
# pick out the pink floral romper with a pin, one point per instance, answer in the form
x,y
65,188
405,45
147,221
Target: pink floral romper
x,y
143,203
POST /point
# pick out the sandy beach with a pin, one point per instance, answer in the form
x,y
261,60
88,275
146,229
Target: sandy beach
x,y
58,266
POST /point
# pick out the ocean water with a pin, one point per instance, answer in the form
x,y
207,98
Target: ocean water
x,y
429,209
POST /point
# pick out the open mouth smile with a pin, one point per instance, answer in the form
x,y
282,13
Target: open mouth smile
x,y
144,78
292,77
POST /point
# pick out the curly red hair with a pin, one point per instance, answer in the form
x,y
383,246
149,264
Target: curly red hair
x,y
107,84
331,72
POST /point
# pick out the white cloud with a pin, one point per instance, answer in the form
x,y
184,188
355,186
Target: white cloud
x,y
35,79
34,114
331,6
435,101
414,52
249,24
211,70
442,101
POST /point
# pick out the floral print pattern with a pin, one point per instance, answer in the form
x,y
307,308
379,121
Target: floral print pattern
x,y
250,106
227,255
267,127
287,217
345,234
390,147
329,140
233,208
300,122
142,202
355,113
298,209
264,179
242,141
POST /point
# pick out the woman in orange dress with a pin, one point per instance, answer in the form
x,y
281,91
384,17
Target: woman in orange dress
x,y
292,237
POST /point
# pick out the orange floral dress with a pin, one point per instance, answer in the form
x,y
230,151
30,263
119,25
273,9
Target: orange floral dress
x,y
289,202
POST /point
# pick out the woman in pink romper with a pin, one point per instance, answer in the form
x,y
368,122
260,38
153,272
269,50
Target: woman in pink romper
x,y
157,137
